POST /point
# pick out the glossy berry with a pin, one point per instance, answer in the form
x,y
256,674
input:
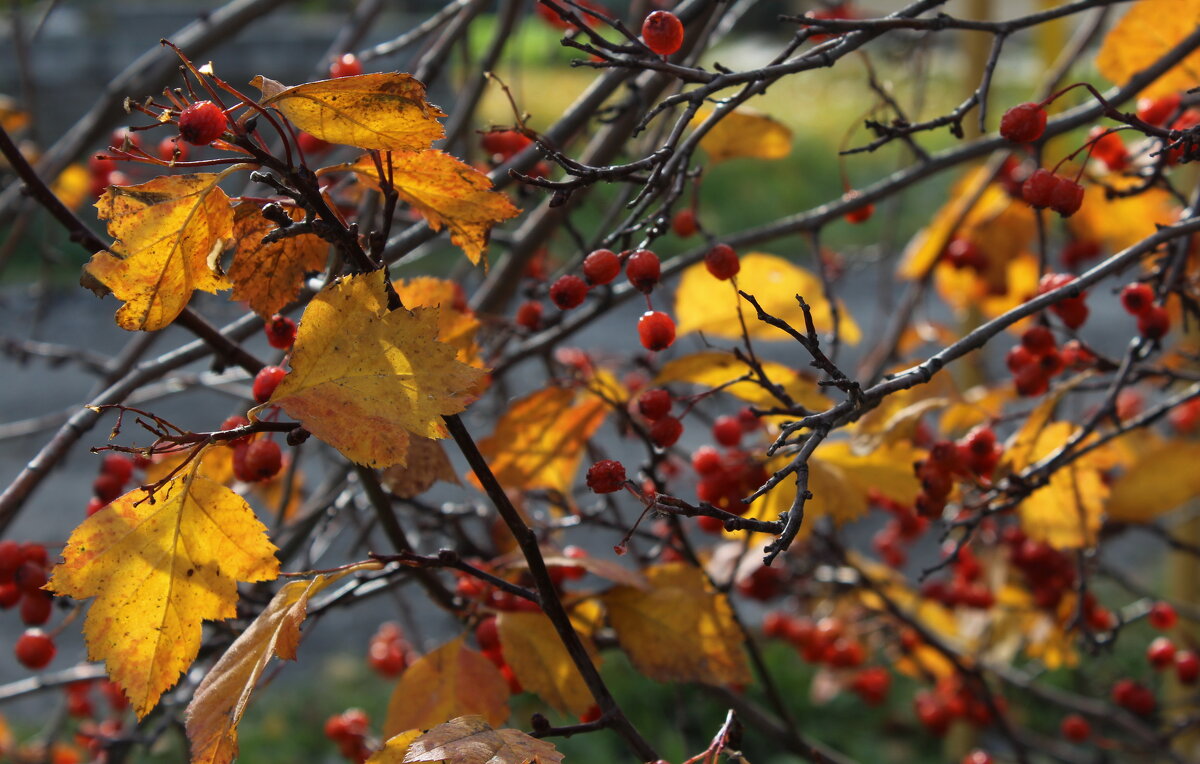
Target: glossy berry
x,y
1160,653
643,270
1039,187
684,223
1157,111
35,649
345,65
722,262
529,315
1066,198
662,31
568,292
606,476
262,461
266,381
281,332
656,330
1023,123
654,404
727,431
201,123
666,431
1136,298
601,266
1154,322
1162,616
1187,666
504,143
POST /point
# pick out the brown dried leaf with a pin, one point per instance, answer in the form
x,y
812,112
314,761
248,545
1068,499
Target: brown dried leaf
x,y
471,740
427,463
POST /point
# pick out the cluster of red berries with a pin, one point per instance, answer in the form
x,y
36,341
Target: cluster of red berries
x,y
1034,361
655,407
1134,697
905,527
472,588
79,698
965,588
1153,321
280,331
1046,189
115,473
387,652
1161,654
488,637
254,460
1050,574
725,478
23,573
974,456
349,730
951,699
825,640
662,31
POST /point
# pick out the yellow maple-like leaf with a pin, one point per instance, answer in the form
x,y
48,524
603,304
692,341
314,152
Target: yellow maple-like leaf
x,y
364,377
1162,477
450,681
1066,513
385,111
457,326
1123,221
539,440
169,233
447,192
395,749
1143,35
158,570
681,630
221,699
542,665
705,304
471,740
718,368
269,276
426,464
744,132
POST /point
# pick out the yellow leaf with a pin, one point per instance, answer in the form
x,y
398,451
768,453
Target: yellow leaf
x,y
744,132
395,749
539,441
471,740
1123,221
457,326
364,377
269,276
215,463
964,290
170,232
681,630
73,185
1163,477
1143,35
385,111
157,570
447,192
222,698
543,666
718,368
451,681
979,404
426,464
1065,513
705,304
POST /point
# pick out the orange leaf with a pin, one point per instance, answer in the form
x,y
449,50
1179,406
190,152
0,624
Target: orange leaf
x,y
447,192
1143,35
744,132
1123,221
170,232
456,326
543,666
450,681
158,569
426,464
222,698
364,377
471,740
269,276
385,111
681,630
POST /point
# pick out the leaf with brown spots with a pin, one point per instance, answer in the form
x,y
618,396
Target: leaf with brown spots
x,y
269,276
471,740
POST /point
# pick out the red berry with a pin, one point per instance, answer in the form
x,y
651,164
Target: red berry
x,y
35,649
1038,189
643,270
1074,313
1038,340
684,223
654,404
345,65
201,123
1075,355
1136,298
234,422
1031,381
1154,323
601,266
1162,616
1066,197
171,150
1076,728
387,657
1156,111
568,292
727,431
722,262
965,254
262,461
656,330
1187,666
266,381
1078,251
94,505
1017,358
1160,653
662,31
123,137
35,608
1023,123
859,214
666,431
311,144
119,466
10,594
606,476
281,332
529,315
487,635
11,558
1109,149
504,143
107,487
978,756
706,460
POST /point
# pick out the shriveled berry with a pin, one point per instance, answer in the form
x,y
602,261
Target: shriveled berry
x,y
662,31
656,330
265,382
606,476
568,292
1039,187
601,266
1023,123
722,262
1154,322
529,315
263,460
643,270
201,123
666,431
345,65
35,649
684,223
281,332
654,404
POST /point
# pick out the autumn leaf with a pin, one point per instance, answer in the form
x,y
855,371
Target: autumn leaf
x,y
542,665
744,132
446,191
158,569
681,630
386,111
457,325
1162,478
705,304
221,699
169,233
450,681
1122,221
363,377
719,369
426,464
471,740
1066,513
1147,31
395,749
269,276
964,290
